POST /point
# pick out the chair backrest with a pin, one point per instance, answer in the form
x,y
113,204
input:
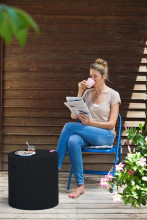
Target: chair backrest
x,y
119,130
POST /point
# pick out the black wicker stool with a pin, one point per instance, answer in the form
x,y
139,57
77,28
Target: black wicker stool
x,y
33,180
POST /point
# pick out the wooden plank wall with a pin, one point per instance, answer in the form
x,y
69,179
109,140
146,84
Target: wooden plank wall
x,y
37,79
1,73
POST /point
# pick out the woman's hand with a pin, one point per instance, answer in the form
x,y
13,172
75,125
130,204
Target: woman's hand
x,y
82,86
73,117
85,120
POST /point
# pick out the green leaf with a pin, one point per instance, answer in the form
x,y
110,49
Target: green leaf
x,y
1,17
22,36
143,201
5,30
140,126
15,22
140,142
26,20
13,19
125,201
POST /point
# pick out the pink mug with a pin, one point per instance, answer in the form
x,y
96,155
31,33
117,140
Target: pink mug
x,y
89,83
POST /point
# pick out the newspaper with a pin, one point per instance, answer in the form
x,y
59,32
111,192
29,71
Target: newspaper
x,y
77,105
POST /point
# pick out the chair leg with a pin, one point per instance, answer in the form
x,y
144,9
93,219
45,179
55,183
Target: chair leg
x,y
114,170
115,163
69,178
119,154
111,190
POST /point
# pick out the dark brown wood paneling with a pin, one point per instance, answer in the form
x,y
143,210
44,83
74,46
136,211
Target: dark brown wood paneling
x,y
62,93
39,77
1,73
61,84
66,66
61,112
84,10
70,3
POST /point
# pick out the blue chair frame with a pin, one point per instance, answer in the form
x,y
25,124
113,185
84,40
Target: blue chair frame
x,y
115,149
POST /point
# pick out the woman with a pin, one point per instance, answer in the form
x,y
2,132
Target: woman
x,y
103,103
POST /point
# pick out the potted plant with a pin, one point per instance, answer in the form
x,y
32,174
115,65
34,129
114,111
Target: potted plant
x,y
131,175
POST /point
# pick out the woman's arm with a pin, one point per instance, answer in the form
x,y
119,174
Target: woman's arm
x,y
108,124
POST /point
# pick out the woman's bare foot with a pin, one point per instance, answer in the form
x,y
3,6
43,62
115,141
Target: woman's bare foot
x,y
78,191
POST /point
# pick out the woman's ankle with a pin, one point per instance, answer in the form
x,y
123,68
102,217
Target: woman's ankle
x,y
80,185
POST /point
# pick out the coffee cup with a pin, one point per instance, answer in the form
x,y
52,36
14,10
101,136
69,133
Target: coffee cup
x,y
89,83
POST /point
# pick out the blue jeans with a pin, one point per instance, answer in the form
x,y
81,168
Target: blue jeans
x,y
75,136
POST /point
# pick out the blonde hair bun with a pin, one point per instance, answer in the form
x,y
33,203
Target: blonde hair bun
x,y
102,62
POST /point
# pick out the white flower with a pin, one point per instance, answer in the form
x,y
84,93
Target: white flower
x,y
144,178
137,187
142,162
103,182
119,166
116,197
133,183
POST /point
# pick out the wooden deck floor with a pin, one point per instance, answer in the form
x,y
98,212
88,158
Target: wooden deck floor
x,y
96,203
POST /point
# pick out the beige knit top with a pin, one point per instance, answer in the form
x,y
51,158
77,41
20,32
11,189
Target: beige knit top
x,y
101,112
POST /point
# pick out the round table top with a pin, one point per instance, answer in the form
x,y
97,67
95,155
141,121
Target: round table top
x,y
40,154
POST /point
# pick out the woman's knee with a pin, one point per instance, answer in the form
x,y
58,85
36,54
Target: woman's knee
x,y
74,140
68,125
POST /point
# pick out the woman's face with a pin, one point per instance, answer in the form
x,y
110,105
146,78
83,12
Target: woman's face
x,y
96,76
